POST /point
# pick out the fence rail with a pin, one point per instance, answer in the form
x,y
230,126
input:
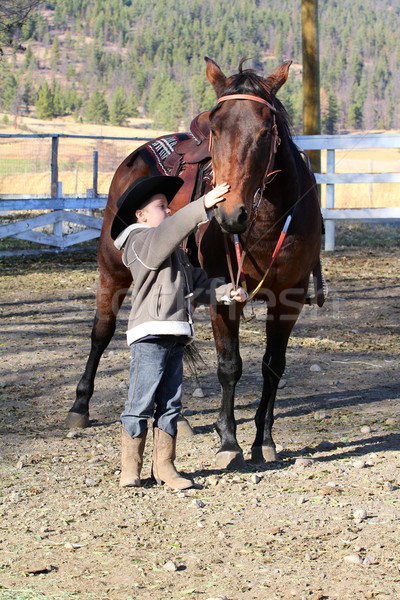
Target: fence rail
x,y
331,143
63,208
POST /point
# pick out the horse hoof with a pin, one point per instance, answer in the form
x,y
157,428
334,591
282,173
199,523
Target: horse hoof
x,y
263,454
184,429
230,460
77,420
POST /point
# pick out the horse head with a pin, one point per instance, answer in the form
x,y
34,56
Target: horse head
x,y
243,137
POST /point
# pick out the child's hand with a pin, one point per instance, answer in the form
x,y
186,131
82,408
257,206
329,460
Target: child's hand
x,y
216,195
240,295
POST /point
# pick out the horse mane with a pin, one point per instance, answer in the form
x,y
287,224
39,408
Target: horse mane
x,y
247,81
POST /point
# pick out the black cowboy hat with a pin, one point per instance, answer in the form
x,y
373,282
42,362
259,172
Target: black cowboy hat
x,y
137,195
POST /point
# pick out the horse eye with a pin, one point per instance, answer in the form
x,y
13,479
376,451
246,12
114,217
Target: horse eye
x,y
213,132
263,133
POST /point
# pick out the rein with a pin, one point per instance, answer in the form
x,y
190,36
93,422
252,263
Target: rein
x,y
274,255
240,256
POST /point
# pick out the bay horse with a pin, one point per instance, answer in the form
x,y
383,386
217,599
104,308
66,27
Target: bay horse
x,y
252,149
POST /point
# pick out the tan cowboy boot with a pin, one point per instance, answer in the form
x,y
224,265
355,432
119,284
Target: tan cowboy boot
x,y
163,461
131,458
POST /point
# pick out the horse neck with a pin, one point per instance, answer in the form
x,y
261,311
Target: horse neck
x,y
285,185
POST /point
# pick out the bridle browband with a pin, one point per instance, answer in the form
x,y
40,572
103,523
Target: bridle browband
x,y
247,97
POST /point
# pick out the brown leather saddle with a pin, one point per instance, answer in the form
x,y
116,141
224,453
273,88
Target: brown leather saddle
x,y
194,150
191,160
197,149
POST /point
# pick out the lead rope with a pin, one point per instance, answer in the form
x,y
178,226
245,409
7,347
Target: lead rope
x,y
240,274
274,255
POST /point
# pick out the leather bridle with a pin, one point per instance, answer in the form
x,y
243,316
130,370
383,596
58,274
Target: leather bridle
x,y
256,203
274,132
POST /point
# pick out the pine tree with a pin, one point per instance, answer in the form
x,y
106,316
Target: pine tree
x,y
359,50
55,54
13,15
73,101
329,121
355,116
170,107
58,100
97,109
29,59
44,103
119,110
9,90
28,96
133,105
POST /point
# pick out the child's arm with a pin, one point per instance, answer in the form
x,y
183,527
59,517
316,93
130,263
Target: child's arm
x,y
152,246
214,290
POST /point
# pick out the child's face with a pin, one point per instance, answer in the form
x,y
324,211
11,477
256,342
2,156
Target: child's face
x,y
154,212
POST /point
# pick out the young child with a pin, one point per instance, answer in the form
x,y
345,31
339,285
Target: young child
x,y
160,323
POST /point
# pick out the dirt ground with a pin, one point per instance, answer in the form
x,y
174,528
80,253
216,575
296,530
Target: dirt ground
x,y
322,523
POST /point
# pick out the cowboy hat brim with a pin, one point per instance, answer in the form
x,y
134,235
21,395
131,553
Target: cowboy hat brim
x,y
136,196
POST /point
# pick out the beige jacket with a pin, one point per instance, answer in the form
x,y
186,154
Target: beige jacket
x,y
165,283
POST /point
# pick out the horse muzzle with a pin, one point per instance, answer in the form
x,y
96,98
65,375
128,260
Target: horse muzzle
x,y
234,222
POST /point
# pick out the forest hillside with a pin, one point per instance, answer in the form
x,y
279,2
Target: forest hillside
x,y
108,60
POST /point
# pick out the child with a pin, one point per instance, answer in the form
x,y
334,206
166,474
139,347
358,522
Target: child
x,y
160,323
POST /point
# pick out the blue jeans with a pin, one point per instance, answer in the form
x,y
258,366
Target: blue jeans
x,y
155,386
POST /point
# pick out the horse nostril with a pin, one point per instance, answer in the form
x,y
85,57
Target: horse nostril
x,y
242,217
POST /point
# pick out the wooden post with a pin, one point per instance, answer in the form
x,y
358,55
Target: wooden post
x,y
58,226
54,166
56,186
95,172
311,92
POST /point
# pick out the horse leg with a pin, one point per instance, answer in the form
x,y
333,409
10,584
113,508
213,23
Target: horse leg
x,y
280,322
114,282
226,336
110,295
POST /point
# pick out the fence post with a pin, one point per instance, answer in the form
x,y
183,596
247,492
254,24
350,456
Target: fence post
x,y
56,186
95,172
330,203
54,166
58,226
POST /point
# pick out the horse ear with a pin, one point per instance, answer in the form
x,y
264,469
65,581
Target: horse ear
x,y
215,76
276,80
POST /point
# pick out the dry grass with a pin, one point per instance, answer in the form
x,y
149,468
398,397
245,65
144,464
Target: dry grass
x,y
38,184
364,195
137,127
25,163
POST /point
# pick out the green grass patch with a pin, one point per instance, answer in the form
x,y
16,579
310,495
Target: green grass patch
x,y
10,166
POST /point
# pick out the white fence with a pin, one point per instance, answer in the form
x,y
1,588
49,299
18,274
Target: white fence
x,y
330,143
55,226
63,209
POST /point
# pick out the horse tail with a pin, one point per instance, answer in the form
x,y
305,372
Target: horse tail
x,y
193,359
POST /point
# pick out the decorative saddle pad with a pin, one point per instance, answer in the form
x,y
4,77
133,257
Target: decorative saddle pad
x,y
156,153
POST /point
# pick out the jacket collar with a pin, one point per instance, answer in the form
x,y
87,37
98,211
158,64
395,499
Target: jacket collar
x,y
123,236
